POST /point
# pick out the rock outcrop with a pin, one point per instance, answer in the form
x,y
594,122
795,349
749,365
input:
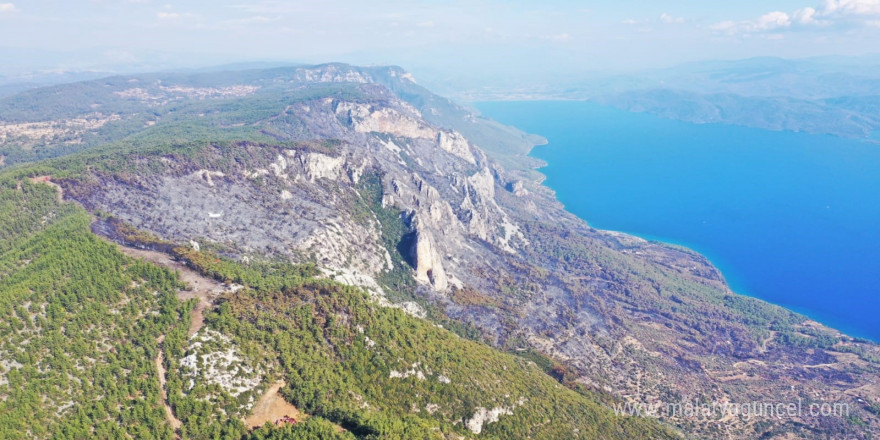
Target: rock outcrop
x,y
426,260
364,185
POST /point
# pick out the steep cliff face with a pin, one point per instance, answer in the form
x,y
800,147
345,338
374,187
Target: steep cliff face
x,y
427,262
300,202
484,243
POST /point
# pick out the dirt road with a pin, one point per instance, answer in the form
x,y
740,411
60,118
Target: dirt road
x,y
160,366
202,288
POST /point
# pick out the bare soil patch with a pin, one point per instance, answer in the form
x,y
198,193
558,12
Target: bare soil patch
x,y
272,407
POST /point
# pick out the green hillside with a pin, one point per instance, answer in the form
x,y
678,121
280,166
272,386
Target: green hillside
x,y
82,323
79,324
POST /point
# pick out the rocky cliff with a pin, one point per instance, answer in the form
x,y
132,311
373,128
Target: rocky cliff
x,y
379,183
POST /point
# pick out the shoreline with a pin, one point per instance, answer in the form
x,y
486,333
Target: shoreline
x,y
735,284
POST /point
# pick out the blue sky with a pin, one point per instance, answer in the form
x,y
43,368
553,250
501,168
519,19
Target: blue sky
x,y
486,36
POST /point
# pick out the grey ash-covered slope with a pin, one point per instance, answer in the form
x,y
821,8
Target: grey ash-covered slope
x,y
387,186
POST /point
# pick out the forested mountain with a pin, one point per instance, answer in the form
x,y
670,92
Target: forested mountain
x,y
386,261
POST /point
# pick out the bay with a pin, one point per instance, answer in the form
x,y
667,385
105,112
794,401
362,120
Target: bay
x,y
791,218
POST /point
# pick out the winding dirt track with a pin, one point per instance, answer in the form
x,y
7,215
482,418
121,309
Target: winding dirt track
x,y
48,181
160,366
199,287
271,406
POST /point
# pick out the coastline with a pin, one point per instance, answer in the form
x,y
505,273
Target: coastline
x,y
737,284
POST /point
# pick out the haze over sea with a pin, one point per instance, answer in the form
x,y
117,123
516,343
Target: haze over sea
x,y
791,218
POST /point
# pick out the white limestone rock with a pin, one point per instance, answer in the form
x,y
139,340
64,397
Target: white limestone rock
x,y
427,261
456,144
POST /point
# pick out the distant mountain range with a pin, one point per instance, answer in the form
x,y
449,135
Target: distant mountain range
x,y
831,95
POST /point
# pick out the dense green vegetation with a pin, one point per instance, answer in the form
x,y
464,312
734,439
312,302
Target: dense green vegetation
x,y
143,124
382,374
79,324
314,428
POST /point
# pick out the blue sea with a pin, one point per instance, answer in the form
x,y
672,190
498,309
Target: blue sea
x,y
790,218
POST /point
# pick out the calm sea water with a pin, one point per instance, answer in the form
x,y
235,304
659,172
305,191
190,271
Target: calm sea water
x,y
791,218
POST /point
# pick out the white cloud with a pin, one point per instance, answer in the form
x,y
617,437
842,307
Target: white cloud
x,y
665,18
773,20
167,15
852,7
832,12
669,19
807,16
850,13
7,7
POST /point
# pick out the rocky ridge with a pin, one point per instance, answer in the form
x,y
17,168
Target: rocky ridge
x,y
634,320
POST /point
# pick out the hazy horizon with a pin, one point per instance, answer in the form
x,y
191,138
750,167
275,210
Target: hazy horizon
x,y
474,41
